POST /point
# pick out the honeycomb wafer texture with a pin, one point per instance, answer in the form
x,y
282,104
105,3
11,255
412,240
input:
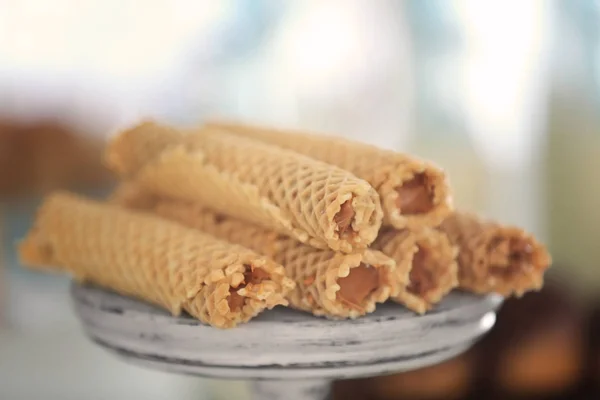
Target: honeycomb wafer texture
x,y
414,193
429,257
314,202
494,257
153,259
319,274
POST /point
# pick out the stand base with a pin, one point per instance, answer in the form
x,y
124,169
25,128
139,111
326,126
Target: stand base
x,y
291,390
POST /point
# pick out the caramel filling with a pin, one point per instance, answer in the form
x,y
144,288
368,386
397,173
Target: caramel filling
x,y
252,276
422,279
509,257
358,285
344,218
415,196
236,301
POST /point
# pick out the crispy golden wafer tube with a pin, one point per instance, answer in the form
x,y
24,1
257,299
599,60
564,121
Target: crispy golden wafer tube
x,y
316,203
330,284
414,193
494,257
431,260
153,259
129,195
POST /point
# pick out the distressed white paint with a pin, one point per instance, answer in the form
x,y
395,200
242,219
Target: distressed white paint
x,y
284,344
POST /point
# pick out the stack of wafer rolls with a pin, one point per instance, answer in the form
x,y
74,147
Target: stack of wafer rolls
x,y
328,283
414,193
164,263
225,220
494,257
316,203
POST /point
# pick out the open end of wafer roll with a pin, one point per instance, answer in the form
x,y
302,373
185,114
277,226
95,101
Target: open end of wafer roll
x,y
428,258
434,270
419,198
245,291
253,277
359,285
415,196
513,262
355,287
496,258
344,219
422,278
356,223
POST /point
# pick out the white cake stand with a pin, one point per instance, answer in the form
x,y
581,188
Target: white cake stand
x,y
286,354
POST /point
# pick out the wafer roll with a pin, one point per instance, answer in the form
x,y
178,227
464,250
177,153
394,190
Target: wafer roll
x,y
431,260
314,202
328,284
414,193
156,260
494,257
130,195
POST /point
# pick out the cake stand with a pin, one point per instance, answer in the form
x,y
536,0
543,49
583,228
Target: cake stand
x,y
284,353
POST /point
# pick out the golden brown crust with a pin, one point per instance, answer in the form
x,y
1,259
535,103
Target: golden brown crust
x,y
495,257
317,272
385,170
430,259
147,257
277,189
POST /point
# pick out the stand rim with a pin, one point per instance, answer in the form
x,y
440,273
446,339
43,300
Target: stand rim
x,y
284,344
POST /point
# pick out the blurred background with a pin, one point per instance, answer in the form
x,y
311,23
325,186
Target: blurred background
x,y
504,94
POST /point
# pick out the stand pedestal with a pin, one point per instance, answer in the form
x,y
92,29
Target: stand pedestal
x,y
286,354
314,389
